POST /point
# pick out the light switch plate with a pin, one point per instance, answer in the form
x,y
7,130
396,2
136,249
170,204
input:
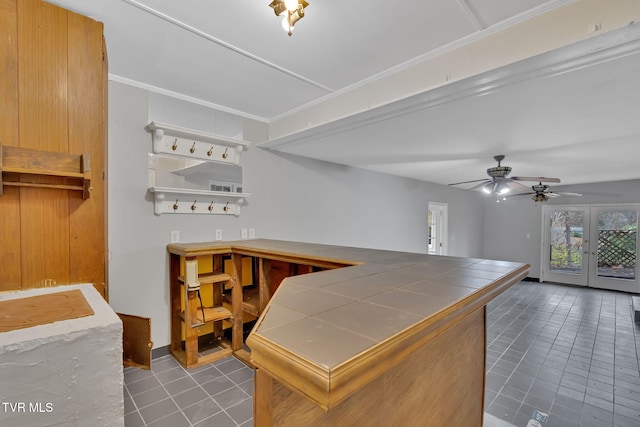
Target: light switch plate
x,y
252,233
175,236
243,233
218,234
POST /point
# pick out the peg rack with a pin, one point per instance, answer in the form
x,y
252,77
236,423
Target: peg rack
x,y
186,201
170,139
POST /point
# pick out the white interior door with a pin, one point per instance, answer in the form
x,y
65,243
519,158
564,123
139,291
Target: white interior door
x,y
437,229
593,246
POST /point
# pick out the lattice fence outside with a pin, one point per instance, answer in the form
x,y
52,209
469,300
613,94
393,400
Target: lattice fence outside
x,y
617,248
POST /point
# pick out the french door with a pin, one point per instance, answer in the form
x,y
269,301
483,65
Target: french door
x,y
594,245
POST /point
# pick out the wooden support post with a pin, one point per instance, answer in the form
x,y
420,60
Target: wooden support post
x,y
262,402
191,333
264,272
190,314
236,301
216,290
175,306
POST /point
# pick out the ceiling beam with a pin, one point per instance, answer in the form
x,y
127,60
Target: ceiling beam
x,y
488,50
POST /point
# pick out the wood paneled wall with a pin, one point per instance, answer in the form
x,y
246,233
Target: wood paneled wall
x,y
52,97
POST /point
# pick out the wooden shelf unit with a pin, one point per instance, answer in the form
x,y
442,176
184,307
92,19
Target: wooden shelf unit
x,y
187,311
26,167
269,269
211,314
207,278
250,300
205,314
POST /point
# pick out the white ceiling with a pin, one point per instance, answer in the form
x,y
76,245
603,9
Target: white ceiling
x,y
571,113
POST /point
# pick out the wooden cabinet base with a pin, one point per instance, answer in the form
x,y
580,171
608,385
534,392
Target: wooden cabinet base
x,y
201,360
440,384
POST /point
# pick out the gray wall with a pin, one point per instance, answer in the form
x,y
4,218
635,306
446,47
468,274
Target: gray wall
x,y
293,198
507,224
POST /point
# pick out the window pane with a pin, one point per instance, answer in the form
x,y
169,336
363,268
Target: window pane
x,y
617,232
566,239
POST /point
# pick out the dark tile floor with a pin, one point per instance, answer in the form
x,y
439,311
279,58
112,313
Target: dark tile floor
x,y
565,352
219,394
567,356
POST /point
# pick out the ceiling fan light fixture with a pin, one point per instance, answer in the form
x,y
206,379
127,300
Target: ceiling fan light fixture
x,y
499,171
540,188
500,184
540,197
497,188
504,190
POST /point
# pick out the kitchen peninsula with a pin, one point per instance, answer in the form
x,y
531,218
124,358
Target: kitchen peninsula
x,y
366,337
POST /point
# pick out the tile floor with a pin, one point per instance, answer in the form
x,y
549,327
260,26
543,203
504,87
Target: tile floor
x,y
219,394
566,355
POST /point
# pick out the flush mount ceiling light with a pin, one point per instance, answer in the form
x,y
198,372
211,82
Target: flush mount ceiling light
x,y
291,11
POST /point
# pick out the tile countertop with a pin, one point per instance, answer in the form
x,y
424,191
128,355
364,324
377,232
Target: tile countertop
x,y
325,334
320,326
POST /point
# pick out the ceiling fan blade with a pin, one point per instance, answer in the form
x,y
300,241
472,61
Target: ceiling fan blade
x,y
535,179
516,186
519,194
468,182
570,194
482,184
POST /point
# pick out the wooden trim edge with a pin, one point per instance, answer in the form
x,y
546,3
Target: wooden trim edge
x,y
329,387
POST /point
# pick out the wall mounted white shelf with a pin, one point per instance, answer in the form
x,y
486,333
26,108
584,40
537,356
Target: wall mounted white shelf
x,y
199,146
178,200
185,142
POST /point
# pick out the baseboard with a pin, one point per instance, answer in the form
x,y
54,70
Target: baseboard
x,y
160,351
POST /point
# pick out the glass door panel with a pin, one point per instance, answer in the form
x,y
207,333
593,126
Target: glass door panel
x,y
615,229
565,251
594,246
